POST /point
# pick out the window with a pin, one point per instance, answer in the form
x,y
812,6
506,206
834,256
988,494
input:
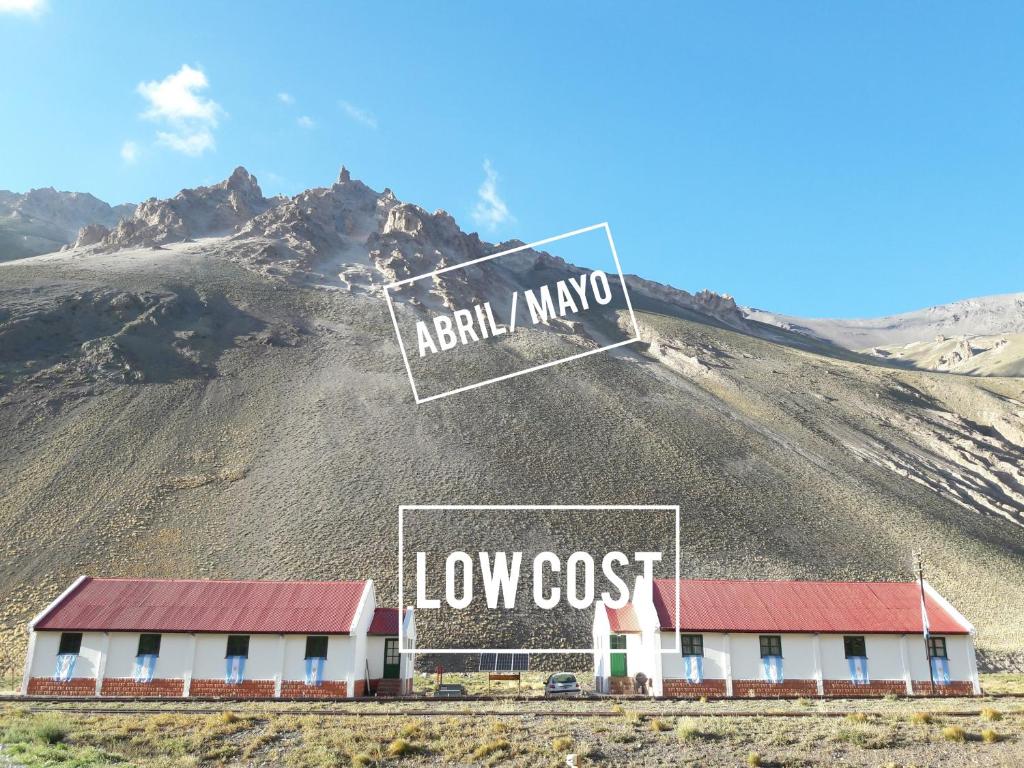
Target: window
x,y
771,645
692,645
316,647
854,645
70,642
149,645
937,647
238,645
617,642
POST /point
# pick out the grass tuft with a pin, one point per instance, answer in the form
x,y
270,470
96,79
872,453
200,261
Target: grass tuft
x,y
361,759
227,717
857,717
754,759
921,718
489,748
399,747
659,725
561,744
989,735
991,715
954,733
687,730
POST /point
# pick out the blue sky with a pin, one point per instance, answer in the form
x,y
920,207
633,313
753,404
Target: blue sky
x,y
820,159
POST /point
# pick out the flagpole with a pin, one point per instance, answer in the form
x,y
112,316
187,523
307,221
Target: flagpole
x,y
919,567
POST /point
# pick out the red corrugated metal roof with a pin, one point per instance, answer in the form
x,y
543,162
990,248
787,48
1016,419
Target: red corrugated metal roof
x,y
623,619
172,605
385,622
799,606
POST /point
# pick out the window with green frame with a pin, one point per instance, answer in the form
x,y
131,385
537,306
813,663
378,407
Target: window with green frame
x,y
149,645
937,647
238,645
854,645
771,645
316,646
692,645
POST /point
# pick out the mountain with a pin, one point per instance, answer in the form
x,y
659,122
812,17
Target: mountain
x,y
213,389
44,220
982,336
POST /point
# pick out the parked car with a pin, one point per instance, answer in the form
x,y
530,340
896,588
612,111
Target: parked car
x,y
561,683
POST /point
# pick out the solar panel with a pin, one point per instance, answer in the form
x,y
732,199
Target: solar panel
x,y
504,662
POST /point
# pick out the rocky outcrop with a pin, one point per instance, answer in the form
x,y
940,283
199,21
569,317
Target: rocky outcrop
x,y
217,210
90,234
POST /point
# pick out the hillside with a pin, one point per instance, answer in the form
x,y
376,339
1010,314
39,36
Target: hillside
x,y
230,401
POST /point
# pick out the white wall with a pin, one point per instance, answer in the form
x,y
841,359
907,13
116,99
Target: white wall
x,y
958,648
340,657
883,653
797,656
714,656
44,659
375,655
173,662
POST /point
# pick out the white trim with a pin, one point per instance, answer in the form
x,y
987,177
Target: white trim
x,y
58,601
186,687
727,663
29,658
358,671
819,675
948,607
279,677
101,665
972,665
905,665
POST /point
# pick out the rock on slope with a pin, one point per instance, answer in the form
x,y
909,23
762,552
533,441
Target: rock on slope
x,y
44,220
237,407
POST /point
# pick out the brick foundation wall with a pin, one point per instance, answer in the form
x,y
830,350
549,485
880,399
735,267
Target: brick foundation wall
x,y
684,689
786,688
622,686
359,688
126,686
953,688
247,689
47,686
328,689
848,689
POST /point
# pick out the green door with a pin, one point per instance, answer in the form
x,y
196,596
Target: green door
x,y
392,658
617,642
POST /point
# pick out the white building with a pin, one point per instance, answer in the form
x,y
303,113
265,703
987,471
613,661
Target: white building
x,y
230,639
784,638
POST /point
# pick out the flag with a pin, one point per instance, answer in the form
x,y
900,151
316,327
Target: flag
x,y
145,666
315,670
693,669
858,669
235,670
940,670
65,667
771,666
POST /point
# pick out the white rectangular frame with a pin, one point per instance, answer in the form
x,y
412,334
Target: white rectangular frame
x,y
409,280
550,507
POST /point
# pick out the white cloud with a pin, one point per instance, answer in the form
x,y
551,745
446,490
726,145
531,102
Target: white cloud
x,y
187,117
362,116
490,209
192,144
285,98
130,151
24,7
306,122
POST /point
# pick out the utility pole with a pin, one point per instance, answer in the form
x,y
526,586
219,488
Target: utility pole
x,y
919,570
